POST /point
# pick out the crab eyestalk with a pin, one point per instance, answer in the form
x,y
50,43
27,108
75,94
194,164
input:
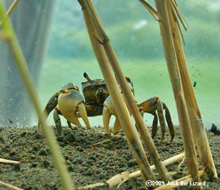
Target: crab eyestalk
x,y
87,76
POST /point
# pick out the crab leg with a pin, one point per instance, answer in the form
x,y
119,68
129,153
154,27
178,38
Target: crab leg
x,y
57,121
154,125
69,124
151,106
169,122
83,114
161,119
75,121
52,103
106,118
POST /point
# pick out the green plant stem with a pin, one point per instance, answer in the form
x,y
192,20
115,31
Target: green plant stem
x,y
24,71
10,10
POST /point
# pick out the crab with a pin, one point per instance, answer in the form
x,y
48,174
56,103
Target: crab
x,y
97,101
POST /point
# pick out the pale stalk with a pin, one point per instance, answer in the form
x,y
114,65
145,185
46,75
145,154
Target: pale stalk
x,y
10,186
197,125
24,71
175,78
127,92
125,120
2,160
121,178
178,182
150,8
165,162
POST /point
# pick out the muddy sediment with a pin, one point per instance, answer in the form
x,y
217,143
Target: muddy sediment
x,y
87,162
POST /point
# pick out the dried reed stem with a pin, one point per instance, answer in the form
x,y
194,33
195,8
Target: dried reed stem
x,y
127,93
122,111
192,106
10,10
150,8
24,71
10,186
165,162
92,186
177,183
175,78
121,178
2,160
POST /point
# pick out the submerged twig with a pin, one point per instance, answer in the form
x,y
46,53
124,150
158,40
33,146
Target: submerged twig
x,y
165,162
180,165
101,142
97,185
121,178
107,140
177,183
10,186
2,160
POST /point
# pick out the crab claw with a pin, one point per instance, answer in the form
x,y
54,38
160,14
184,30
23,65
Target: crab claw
x,y
109,110
71,105
106,118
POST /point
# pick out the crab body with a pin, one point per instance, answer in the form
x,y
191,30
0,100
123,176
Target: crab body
x,y
95,93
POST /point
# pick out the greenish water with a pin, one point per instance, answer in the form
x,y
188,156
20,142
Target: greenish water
x,y
150,78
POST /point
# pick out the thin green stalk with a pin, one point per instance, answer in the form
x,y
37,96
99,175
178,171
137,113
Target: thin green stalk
x,y
10,10
24,71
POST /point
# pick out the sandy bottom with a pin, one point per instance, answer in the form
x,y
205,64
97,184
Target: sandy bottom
x,y
87,164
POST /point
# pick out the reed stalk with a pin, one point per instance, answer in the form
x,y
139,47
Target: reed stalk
x,y
150,8
171,59
10,186
26,76
2,160
122,111
196,121
127,92
121,178
178,183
